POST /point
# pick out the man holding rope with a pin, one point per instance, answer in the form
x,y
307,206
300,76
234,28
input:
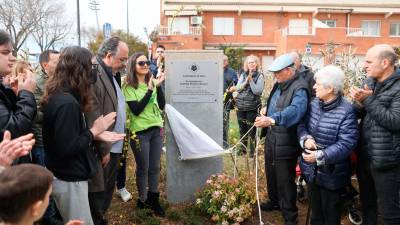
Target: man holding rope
x,y
286,106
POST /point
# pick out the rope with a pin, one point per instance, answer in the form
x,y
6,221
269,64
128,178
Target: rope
x,y
256,158
235,152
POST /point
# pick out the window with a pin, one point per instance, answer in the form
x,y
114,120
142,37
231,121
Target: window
x,y
180,25
298,27
395,29
371,28
329,23
252,27
223,26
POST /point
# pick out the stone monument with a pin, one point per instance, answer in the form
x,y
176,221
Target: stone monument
x,y
194,87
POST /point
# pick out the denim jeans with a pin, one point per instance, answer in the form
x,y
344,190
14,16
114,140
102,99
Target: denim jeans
x,y
38,156
52,216
387,184
147,156
121,178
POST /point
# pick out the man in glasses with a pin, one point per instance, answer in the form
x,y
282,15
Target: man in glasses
x,y
111,59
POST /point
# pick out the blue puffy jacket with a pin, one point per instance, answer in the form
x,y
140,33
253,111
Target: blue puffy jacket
x,y
334,128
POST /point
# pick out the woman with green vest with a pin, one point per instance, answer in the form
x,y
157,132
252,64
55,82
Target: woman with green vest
x,y
145,101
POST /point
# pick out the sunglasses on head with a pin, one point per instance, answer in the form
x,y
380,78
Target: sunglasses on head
x,y
142,63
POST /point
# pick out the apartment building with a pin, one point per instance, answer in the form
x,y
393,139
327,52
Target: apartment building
x,y
269,28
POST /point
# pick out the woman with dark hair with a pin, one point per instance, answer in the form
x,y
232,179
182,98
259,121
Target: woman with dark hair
x,y
66,137
17,110
145,100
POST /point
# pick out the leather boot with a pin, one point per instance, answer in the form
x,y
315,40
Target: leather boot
x,y
153,201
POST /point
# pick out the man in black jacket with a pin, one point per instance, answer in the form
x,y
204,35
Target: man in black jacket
x,y
16,111
304,71
381,131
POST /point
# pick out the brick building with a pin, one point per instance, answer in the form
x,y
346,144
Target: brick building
x,y
268,28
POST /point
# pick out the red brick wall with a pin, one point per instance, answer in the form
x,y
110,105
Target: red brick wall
x,y
274,21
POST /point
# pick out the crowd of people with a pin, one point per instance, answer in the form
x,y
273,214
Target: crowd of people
x,y
65,132
307,120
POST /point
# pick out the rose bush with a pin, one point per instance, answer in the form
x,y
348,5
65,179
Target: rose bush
x,y
226,200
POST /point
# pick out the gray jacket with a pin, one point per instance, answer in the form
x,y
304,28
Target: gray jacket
x,y
249,97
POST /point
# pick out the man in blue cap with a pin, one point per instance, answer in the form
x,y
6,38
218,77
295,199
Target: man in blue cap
x,y
286,106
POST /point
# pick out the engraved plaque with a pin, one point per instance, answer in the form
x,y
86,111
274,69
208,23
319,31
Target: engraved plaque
x,y
193,81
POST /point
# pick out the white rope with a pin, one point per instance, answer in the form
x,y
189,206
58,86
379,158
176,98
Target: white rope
x,y
256,158
235,152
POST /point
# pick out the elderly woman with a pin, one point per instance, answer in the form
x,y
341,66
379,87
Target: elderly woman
x,y
328,135
249,87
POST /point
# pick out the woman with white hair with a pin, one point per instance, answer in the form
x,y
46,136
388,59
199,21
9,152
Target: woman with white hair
x,y
328,134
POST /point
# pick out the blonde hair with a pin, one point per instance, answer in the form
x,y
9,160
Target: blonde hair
x,y
19,67
256,60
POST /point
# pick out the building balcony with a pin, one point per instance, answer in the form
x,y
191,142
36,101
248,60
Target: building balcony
x,y
168,31
343,31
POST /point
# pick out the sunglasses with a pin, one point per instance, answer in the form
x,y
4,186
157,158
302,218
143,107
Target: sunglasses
x,y
142,63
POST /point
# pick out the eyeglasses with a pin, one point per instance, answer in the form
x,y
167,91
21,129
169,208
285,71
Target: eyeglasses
x,y
142,63
95,66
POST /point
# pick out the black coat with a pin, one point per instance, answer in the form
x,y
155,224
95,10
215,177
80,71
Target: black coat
x,y
308,75
381,125
67,139
16,112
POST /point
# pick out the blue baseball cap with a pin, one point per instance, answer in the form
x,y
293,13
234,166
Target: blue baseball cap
x,y
281,63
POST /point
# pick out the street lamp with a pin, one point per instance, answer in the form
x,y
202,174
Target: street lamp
x,y
78,22
127,21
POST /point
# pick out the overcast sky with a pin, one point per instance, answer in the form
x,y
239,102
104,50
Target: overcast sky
x,y
141,14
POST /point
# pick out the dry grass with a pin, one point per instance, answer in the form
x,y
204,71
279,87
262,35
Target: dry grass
x,y
126,213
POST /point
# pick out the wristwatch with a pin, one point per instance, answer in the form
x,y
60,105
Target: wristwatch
x,y
272,122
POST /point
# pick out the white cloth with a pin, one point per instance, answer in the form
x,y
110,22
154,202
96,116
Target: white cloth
x,y
192,142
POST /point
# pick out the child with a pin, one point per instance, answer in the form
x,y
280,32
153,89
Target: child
x,y
24,194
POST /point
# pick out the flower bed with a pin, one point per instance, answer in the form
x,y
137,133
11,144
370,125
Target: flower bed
x,y
227,200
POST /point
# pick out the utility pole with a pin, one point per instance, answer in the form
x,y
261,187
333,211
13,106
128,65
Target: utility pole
x,y
127,21
148,42
79,22
94,5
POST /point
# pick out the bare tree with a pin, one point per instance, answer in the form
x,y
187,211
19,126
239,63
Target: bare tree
x,y
22,17
52,29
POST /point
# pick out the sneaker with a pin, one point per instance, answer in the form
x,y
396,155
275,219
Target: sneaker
x,y
124,194
269,206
